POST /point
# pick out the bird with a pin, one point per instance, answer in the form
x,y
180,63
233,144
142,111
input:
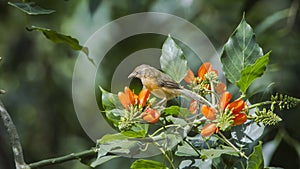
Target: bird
x,y
160,84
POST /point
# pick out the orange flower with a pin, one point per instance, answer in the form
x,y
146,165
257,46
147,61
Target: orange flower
x,y
224,100
209,129
204,68
209,112
235,107
151,115
190,76
128,98
143,97
239,119
221,88
193,107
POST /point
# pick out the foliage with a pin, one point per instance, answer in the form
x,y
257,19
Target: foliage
x,y
243,62
178,119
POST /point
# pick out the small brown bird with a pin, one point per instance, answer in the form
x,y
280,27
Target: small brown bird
x,y
160,84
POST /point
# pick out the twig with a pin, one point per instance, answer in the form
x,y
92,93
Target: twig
x,y
260,104
72,156
14,138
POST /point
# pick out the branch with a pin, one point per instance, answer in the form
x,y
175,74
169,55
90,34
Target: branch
x,y
56,160
14,138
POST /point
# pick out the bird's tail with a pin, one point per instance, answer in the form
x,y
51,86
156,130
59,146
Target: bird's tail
x,y
192,95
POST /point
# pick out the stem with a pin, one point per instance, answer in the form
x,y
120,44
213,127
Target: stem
x,y
164,127
213,99
72,156
167,157
14,138
230,144
260,104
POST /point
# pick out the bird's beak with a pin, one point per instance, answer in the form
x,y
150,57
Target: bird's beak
x,y
132,75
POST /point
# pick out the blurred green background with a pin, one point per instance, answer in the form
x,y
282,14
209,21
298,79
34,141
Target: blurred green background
x,y
37,74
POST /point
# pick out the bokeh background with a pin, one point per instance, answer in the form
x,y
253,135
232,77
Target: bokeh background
x,y
37,74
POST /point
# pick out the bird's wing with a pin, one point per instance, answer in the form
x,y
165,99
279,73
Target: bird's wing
x,y
167,82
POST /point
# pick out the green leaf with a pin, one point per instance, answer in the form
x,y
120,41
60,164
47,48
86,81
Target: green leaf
x,y
177,111
114,116
173,61
195,164
256,160
121,147
137,131
214,153
102,160
30,8
61,38
109,100
186,150
112,137
176,120
147,164
251,72
240,51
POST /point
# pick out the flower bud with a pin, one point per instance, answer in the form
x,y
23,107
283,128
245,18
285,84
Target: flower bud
x,y
209,129
193,107
151,115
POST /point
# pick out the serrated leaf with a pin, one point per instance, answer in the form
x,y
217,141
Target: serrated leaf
x,y
147,164
240,51
173,61
30,8
109,100
61,38
252,72
102,160
256,160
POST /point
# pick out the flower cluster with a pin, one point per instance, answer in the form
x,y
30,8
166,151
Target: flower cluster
x,y
220,116
138,105
235,109
207,76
